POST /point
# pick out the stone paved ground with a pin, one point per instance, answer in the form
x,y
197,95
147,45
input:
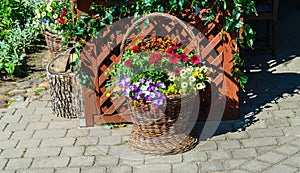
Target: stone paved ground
x,y
267,139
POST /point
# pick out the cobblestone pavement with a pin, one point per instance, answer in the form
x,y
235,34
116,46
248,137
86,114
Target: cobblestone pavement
x,y
266,139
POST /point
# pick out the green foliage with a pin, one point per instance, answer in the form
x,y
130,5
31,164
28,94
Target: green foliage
x,y
15,45
10,12
233,10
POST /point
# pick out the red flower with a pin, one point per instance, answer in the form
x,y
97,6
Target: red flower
x,y
169,51
177,71
173,58
128,62
195,59
61,20
136,49
184,57
64,11
155,58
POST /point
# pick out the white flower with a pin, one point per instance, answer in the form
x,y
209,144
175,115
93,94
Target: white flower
x,y
44,14
172,78
38,15
55,16
37,11
184,85
49,8
182,72
200,86
144,88
192,79
203,69
189,69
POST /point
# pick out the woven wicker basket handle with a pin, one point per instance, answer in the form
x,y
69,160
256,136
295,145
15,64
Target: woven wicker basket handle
x,y
156,14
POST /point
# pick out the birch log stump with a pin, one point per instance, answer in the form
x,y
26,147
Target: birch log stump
x,y
64,87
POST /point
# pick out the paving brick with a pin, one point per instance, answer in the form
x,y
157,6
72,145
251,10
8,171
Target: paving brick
x,y
296,142
194,156
24,112
48,117
93,170
67,170
37,126
11,119
262,133
107,160
96,150
22,135
87,141
16,127
3,163
265,149
72,151
30,118
218,138
271,157
37,104
293,161
232,164
281,169
34,170
7,171
119,169
5,135
254,166
277,123
110,140
7,111
292,131
238,135
210,166
42,110
218,155
8,144
82,161
165,168
42,152
63,124
122,131
289,105
99,131
206,145
229,144
261,124
295,121
131,159
264,115
57,142
19,163
77,132
45,134
12,153
258,142
244,153
185,167
283,113
163,159
50,162
2,126
287,149
285,139
19,105
29,143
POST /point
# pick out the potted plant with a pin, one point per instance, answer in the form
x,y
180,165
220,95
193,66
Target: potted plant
x,y
55,18
160,78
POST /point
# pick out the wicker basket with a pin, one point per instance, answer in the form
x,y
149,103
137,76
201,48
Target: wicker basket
x,y
65,91
163,130
54,43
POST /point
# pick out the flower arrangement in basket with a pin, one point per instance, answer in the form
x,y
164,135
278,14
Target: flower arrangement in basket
x,y
55,18
160,78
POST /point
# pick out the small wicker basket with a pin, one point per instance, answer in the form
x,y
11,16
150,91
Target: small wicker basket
x,y
163,130
54,43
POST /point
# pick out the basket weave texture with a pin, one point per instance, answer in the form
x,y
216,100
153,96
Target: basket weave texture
x,y
54,43
163,130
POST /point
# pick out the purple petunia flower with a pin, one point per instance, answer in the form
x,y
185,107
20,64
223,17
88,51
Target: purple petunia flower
x,y
148,81
148,98
142,80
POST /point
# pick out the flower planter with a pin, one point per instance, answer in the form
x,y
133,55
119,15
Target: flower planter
x,y
65,90
54,43
100,109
